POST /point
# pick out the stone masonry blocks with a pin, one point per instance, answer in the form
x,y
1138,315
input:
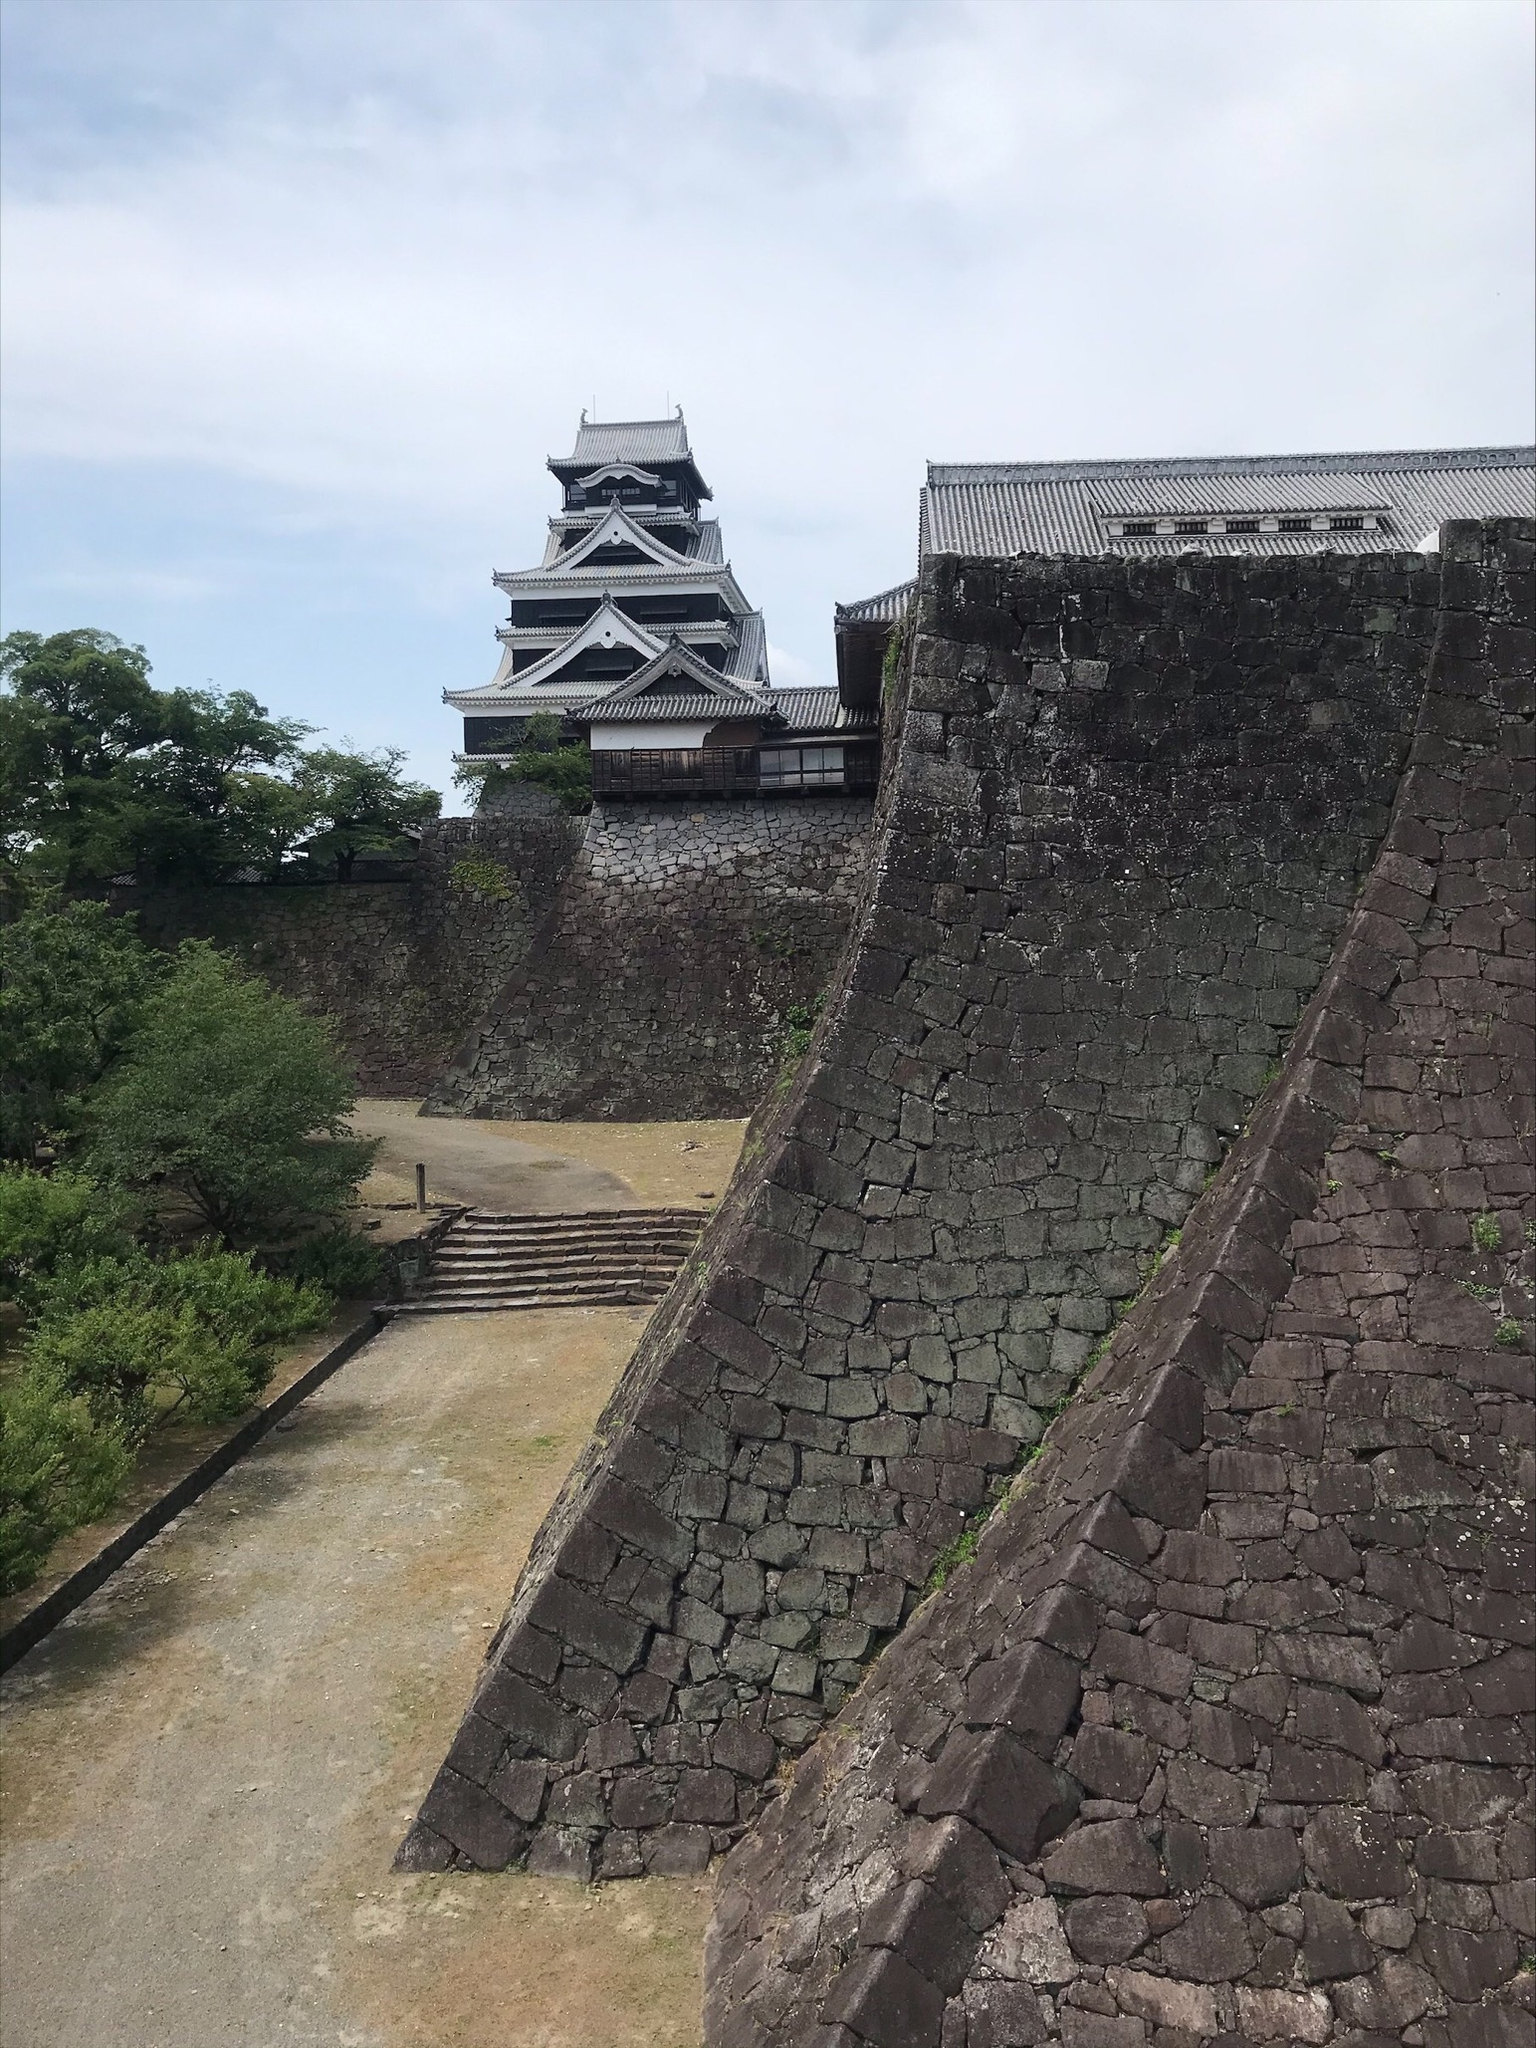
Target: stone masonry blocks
x,y
1279,1543
1090,922
684,943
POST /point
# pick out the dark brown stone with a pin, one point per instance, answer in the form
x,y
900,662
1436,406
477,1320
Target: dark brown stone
x,y
1211,1946
1258,1866
1354,1854
1001,1787
1105,1856
477,1825
1106,1930
1031,1691
917,1923
1333,1945
1111,1764
885,2001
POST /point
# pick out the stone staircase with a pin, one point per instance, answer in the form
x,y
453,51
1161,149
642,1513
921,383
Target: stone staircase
x,y
596,1258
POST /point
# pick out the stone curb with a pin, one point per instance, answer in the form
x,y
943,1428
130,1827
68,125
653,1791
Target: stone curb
x,y
26,1633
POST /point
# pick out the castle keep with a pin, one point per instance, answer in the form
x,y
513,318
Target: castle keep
x,y
634,631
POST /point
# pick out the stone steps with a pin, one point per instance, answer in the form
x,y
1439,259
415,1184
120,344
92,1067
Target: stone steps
x,y
491,1260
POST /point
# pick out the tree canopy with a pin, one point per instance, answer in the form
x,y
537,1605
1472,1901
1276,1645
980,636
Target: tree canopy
x,y
71,978
360,804
230,1103
101,774
563,767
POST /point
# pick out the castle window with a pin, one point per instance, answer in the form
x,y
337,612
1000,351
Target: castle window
x,y
801,767
1190,526
1295,526
1139,526
1346,525
1242,526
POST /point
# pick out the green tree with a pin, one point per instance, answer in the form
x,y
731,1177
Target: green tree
x,y
103,774
80,708
57,1470
51,1221
362,804
202,805
231,1103
563,767
71,979
138,1338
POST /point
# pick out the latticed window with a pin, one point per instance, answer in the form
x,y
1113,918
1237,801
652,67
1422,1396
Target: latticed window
x,y
800,767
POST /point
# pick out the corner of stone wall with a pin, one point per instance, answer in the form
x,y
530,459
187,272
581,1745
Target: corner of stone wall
x,y
1096,906
1223,1737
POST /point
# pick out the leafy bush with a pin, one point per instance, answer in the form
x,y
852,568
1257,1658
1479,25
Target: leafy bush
x,y
71,980
564,767
57,1470
51,1220
230,1101
800,1027
1487,1232
478,873
338,1260
132,1337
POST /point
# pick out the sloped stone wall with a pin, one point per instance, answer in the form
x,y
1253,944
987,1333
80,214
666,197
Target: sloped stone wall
x,y
1226,1735
682,949
1127,808
403,968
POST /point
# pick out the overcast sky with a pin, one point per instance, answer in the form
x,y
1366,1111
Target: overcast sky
x,y
300,294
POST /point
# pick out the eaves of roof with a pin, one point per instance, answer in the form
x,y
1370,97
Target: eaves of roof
x,y
1052,514
1359,463
883,609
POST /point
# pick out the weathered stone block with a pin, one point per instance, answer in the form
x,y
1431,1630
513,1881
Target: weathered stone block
x,y
1003,1789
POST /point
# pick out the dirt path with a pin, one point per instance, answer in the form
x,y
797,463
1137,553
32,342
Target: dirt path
x,y
544,1168
208,1767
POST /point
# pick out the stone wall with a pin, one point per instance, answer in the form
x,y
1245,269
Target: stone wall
x,y
1127,809
1225,1736
681,948
403,968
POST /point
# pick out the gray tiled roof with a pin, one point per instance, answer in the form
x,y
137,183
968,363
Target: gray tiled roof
x,y
801,711
1011,508
819,710
883,609
748,660
665,709
637,441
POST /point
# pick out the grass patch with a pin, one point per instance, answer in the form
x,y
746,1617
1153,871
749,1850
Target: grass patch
x,y
1487,1233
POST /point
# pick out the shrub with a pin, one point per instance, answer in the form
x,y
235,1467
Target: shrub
x,y
71,980
48,1221
800,1027
478,874
338,1260
1487,1232
133,1337
231,1101
563,767
57,1470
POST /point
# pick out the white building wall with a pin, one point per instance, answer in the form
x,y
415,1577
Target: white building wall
x,y
611,739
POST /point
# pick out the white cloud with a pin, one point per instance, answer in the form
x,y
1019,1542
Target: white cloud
x,y
352,269
789,671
